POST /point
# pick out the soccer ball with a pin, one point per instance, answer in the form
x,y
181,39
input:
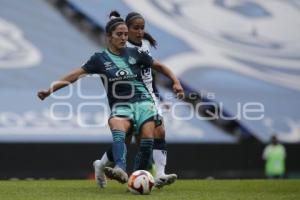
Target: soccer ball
x,y
140,182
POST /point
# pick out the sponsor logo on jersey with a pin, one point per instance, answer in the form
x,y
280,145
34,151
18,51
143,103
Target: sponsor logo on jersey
x,y
107,64
122,72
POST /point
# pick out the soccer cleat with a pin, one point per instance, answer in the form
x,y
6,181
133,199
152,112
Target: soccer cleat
x,y
99,174
167,179
116,173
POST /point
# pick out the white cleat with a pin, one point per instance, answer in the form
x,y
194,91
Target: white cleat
x,y
99,174
116,173
167,179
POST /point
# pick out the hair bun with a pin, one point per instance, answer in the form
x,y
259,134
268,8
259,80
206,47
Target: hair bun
x,y
114,14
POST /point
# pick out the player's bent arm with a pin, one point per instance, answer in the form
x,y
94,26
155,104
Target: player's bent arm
x,y
66,80
177,88
165,70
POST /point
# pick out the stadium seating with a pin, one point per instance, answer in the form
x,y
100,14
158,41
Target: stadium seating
x,y
52,47
240,51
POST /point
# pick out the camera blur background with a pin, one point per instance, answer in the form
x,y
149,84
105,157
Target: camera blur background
x,y
238,59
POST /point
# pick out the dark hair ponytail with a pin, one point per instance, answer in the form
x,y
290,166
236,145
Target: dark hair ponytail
x,y
151,40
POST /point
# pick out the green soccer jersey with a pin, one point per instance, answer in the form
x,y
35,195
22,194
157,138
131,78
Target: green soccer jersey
x,y
275,160
121,74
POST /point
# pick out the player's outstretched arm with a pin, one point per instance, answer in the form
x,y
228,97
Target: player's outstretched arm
x,y
66,80
177,88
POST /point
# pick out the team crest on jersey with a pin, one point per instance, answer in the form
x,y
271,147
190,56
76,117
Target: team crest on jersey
x,y
132,60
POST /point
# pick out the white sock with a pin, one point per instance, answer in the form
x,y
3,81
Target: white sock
x,y
160,161
104,160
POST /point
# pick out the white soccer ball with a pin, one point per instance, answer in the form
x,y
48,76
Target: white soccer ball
x,y
140,182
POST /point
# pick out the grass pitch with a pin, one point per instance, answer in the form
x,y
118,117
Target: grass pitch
x,y
182,189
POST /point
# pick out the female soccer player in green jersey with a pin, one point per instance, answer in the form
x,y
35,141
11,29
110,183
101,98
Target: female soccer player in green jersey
x,y
130,101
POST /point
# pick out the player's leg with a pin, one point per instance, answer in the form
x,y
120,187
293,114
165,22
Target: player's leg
x,y
145,146
145,113
107,161
99,165
119,127
160,158
159,150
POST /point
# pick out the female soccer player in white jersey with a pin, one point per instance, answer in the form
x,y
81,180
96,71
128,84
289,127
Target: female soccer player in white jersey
x,y
138,38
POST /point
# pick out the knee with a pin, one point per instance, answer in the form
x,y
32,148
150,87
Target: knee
x,y
159,132
148,130
119,124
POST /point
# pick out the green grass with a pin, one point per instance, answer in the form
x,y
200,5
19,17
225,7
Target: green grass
x,y
182,189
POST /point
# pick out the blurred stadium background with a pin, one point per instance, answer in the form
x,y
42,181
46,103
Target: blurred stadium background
x,y
230,52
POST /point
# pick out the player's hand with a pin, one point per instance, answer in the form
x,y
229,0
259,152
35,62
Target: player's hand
x,y
42,94
177,88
